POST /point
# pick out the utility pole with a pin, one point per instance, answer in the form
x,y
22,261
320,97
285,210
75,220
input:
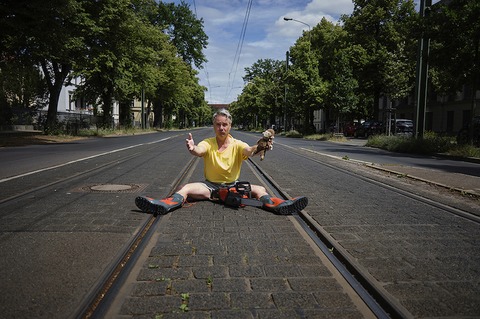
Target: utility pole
x,y
422,73
285,96
143,110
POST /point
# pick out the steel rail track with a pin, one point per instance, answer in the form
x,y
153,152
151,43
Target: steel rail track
x,y
406,193
80,174
100,299
378,304
95,301
373,294
377,299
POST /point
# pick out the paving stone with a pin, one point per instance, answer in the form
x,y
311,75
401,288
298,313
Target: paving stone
x,y
196,260
229,285
268,284
282,271
164,273
333,300
328,314
294,300
252,300
210,272
232,314
209,301
313,284
277,314
246,271
153,288
151,305
233,264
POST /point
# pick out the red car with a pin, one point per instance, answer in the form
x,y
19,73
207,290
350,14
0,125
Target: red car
x,y
350,128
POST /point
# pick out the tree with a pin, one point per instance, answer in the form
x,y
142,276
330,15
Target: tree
x,y
343,87
122,58
380,27
23,92
248,105
454,29
336,68
48,34
185,31
306,85
269,76
175,88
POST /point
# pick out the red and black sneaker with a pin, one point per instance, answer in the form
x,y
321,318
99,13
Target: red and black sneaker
x,y
284,207
159,206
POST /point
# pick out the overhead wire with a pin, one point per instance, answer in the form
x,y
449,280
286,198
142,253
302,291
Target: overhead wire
x,y
205,70
238,51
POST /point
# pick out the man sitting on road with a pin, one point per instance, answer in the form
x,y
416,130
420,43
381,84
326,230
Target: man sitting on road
x,y
223,156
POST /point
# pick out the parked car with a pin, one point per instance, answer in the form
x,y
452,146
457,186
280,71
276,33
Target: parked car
x,y
369,128
464,134
350,128
402,127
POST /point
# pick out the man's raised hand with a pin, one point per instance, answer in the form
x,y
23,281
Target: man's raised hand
x,y
190,142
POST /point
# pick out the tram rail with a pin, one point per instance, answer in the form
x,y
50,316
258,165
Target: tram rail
x,y
100,299
377,300
380,302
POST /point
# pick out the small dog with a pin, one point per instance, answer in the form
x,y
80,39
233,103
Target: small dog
x,y
265,143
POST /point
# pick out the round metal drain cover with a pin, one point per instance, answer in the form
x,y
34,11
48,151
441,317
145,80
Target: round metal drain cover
x,y
110,188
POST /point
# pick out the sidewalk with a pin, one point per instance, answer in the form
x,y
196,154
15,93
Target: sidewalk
x,y
463,183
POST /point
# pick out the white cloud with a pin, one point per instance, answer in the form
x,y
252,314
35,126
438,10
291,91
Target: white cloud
x,y
267,36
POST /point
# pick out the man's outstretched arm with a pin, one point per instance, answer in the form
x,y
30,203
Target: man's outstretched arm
x,y
250,150
194,149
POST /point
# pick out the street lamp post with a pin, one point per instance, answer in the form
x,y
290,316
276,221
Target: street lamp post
x,y
309,29
422,74
291,19
309,52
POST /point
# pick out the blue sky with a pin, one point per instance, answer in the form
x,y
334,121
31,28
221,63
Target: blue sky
x,y
267,36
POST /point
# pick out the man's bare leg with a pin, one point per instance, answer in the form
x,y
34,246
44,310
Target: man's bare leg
x,y
197,191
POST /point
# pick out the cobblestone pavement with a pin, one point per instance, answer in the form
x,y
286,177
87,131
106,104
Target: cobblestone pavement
x,y
208,261
236,264
217,262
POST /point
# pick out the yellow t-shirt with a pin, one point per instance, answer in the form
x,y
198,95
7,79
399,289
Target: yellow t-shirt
x,y
225,166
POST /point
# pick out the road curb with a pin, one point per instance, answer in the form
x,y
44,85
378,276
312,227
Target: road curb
x,y
430,182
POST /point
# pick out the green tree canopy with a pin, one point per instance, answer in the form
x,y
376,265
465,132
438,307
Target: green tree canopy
x,y
48,34
454,30
185,30
383,29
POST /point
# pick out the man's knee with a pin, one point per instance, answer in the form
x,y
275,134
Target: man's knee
x,y
195,190
258,191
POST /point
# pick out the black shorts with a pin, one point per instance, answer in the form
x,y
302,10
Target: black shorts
x,y
214,187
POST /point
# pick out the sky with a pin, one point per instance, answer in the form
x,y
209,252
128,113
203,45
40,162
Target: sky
x,y
267,36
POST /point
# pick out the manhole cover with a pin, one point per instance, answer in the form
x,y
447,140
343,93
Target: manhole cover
x,y
112,188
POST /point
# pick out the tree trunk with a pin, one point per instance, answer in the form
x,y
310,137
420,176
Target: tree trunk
x,y
55,77
476,67
107,109
125,118
157,111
